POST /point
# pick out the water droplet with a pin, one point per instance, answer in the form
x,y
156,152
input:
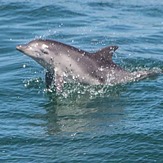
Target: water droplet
x,y
24,66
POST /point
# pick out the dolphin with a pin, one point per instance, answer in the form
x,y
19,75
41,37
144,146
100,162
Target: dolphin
x,y
64,62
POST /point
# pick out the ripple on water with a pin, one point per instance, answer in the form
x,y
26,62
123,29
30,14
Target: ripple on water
x,y
122,123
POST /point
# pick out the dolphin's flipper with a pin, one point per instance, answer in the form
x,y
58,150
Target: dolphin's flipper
x,y
49,77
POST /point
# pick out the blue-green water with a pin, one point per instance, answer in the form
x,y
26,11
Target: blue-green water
x,y
85,124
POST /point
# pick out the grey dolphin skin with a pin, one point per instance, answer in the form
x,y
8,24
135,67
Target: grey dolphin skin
x,y
64,62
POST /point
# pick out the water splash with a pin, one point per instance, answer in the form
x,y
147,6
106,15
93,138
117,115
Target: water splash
x,y
36,83
75,91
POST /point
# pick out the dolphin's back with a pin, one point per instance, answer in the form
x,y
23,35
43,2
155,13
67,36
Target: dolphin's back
x,y
61,46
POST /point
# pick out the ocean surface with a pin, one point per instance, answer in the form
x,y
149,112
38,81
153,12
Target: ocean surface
x,y
122,123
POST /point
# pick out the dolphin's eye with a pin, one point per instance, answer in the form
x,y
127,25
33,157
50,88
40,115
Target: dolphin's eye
x,y
44,51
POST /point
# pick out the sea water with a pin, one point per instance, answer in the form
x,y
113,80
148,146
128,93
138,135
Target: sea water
x,y
122,123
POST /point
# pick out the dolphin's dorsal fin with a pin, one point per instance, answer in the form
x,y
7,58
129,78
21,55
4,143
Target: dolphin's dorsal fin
x,y
104,55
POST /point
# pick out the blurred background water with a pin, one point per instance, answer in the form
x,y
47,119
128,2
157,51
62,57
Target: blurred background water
x,y
85,124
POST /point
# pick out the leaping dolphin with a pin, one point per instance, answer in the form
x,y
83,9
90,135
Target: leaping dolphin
x,y
63,61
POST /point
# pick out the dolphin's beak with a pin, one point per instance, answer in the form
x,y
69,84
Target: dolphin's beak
x,y
21,48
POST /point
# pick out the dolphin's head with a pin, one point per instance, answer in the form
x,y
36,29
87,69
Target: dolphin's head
x,y
39,50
